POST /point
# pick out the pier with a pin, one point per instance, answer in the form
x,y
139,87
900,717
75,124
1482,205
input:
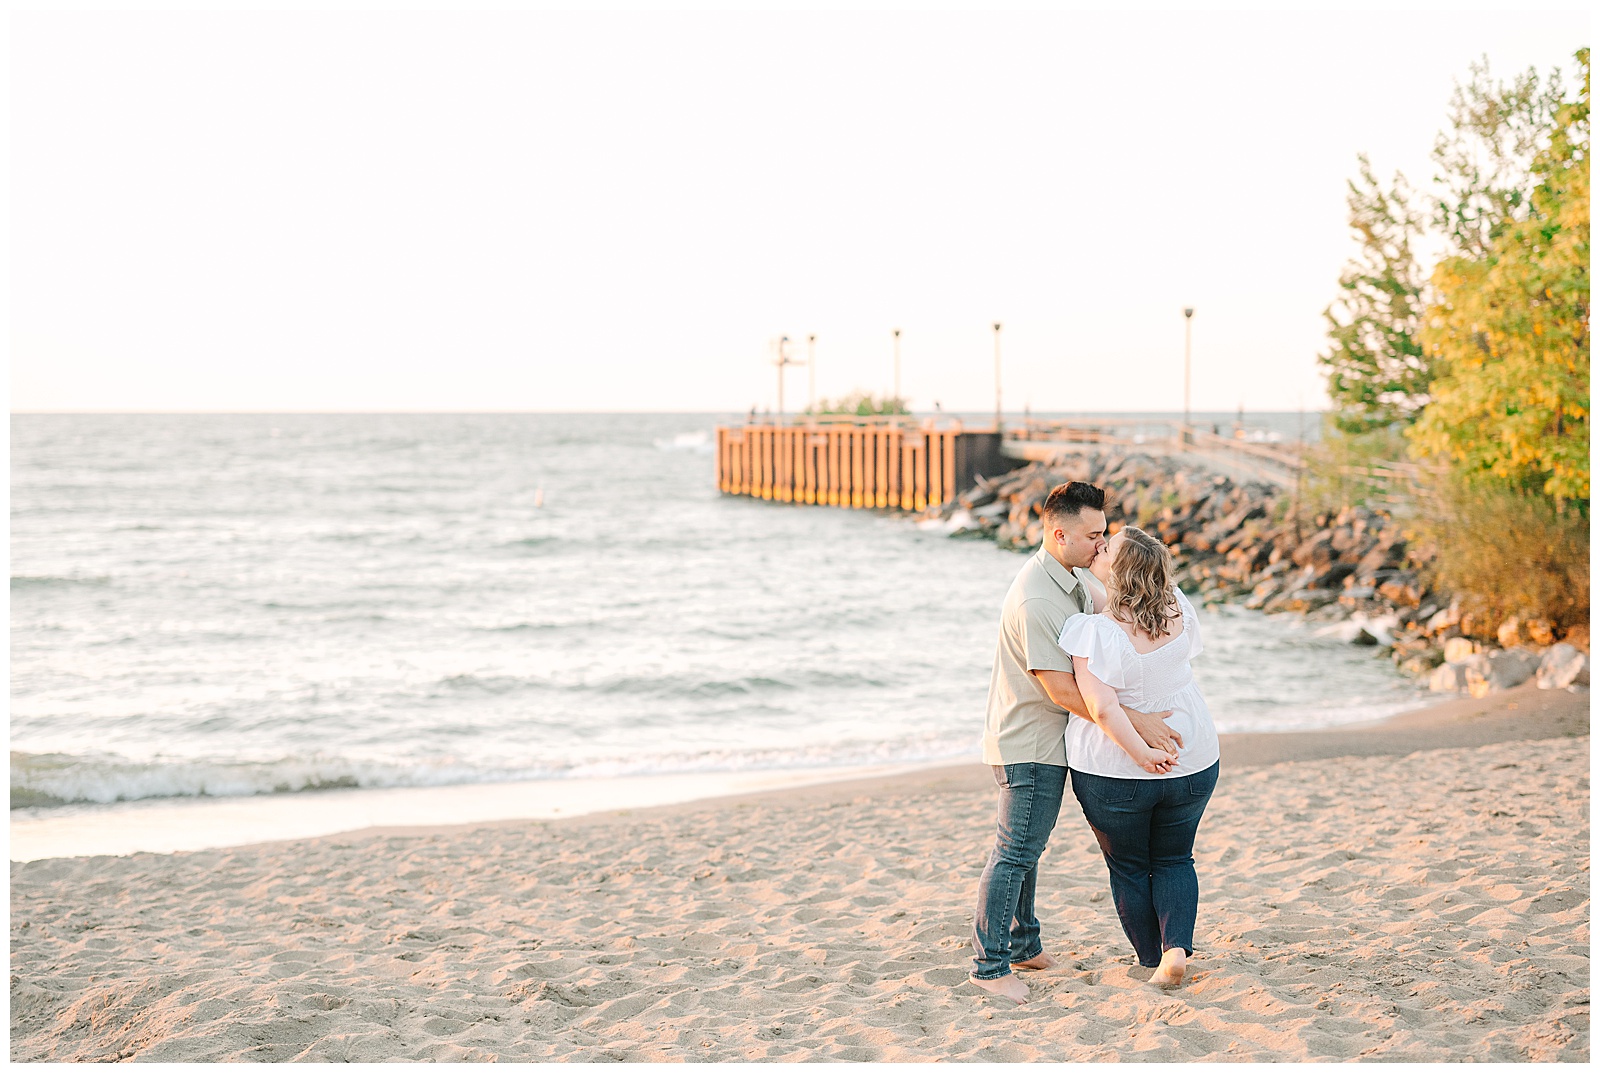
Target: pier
x,y
908,464
1237,457
859,462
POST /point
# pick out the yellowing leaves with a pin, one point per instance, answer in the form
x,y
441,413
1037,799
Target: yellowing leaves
x,y
1507,332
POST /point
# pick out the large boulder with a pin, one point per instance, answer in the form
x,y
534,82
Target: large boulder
x,y
1563,666
980,496
1301,600
1421,663
1355,595
1503,669
1388,554
1264,591
1344,540
1331,576
1448,678
1459,650
1443,621
1026,504
1317,551
1401,589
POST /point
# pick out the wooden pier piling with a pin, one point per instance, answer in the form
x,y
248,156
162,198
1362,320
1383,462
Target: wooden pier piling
x,y
880,463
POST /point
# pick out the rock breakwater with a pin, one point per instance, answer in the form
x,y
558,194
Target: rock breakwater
x,y
1245,543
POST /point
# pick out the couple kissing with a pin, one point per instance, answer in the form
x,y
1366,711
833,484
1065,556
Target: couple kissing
x,y
1092,685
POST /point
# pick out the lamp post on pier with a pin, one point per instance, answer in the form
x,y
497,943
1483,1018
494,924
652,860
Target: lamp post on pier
x,y
811,376
997,376
894,400
1188,334
783,359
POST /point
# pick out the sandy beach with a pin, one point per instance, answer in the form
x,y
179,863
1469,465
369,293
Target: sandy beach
x,y
1415,890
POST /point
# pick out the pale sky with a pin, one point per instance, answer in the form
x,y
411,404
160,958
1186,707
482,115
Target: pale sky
x,y
553,211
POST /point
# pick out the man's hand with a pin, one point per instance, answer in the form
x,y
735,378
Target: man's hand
x,y
1152,727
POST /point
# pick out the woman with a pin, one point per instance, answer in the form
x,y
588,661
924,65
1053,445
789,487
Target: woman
x,y
1143,804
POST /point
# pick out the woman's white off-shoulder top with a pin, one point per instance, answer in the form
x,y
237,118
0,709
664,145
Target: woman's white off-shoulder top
x,y
1150,682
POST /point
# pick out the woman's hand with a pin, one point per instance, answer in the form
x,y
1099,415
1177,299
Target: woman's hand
x,y
1155,761
1112,719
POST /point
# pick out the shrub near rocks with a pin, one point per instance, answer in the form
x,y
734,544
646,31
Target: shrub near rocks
x,y
1237,542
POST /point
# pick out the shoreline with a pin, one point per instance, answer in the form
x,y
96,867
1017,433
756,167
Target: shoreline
x,y
1413,891
1469,722
159,825
194,824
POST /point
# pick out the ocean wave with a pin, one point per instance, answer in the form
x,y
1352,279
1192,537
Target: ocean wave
x,y
534,545
52,780
47,581
699,441
367,617
491,683
744,685
658,686
539,627
531,541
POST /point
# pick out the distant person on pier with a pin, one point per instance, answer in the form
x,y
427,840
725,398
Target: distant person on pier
x,y
1031,690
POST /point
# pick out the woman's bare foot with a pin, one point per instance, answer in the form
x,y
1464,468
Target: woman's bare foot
x,y
1007,987
1041,960
1170,973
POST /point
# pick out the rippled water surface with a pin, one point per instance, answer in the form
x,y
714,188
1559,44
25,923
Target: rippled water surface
x,y
229,604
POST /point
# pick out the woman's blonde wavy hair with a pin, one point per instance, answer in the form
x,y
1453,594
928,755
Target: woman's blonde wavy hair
x,y
1139,587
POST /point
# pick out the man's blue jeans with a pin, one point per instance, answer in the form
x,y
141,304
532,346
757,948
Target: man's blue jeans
x,y
1004,928
1146,830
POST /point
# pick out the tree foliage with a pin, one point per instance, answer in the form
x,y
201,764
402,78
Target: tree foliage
x,y
1377,372
1483,158
862,404
1507,331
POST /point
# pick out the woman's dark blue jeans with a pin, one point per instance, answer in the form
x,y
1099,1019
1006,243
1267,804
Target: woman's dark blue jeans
x,y
1146,830
1004,928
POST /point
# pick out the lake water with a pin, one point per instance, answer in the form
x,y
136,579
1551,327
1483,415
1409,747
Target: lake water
x,y
229,605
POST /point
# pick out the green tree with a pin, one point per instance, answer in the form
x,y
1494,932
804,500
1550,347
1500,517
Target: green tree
x,y
1508,330
1377,372
1484,156
862,404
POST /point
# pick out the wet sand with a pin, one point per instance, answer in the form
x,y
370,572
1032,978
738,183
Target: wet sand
x,y
1414,890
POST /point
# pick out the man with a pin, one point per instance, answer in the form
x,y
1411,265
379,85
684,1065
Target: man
x,y
1030,693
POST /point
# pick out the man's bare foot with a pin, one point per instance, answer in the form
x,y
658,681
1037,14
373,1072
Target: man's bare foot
x,y
1173,965
1007,987
1041,960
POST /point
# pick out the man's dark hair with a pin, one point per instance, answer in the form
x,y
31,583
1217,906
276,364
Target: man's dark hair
x,y
1070,500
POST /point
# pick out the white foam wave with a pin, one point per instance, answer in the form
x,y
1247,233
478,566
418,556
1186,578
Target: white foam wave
x,y
698,442
52,779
